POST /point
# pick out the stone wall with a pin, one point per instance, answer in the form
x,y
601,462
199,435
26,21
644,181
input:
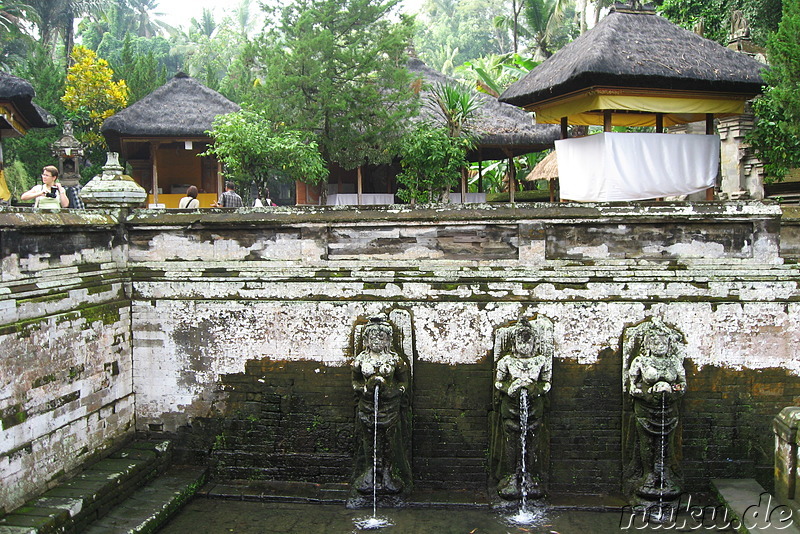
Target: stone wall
x,y
65,360
234,331
243,328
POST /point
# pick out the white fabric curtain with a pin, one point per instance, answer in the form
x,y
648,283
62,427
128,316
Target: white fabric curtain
x,y
636,166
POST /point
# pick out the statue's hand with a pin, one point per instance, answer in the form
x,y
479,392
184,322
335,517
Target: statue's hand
x,y
661,387
546,387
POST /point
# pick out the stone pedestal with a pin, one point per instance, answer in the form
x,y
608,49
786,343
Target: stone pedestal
x,y
112,189
786,460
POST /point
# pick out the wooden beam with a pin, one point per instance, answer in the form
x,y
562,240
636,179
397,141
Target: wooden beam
x,y
564,128
606,120
659,123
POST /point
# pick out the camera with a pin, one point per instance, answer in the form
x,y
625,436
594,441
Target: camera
x,y
53,192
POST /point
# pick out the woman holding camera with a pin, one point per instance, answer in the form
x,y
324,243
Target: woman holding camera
x,y
50,194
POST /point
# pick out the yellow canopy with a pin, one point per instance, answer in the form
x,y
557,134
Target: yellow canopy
x,y
636,107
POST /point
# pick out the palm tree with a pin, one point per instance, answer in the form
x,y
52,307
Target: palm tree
x,y
56,18
543,18
243,17
13,14
146,23
206,25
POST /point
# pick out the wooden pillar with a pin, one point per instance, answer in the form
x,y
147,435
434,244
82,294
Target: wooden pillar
x,y
606,120
512,176
564,128
463,185
154,159
710,131
360,186
659,123
480,173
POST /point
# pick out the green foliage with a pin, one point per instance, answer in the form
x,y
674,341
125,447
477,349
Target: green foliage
x,y
337,68
450,32
47,78
762,16
493,74
18,179
142,72
252,148
776,136
432,162
91,95
457,106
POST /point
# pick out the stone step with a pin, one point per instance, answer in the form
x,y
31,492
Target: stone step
x,y
70,506
151,506
754,510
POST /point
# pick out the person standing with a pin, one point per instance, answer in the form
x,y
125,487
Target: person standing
x,y
229,199
190,200
50,193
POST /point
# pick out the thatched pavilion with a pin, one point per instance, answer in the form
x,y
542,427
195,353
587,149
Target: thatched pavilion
x,y
161,135
18,114
503,130
636,68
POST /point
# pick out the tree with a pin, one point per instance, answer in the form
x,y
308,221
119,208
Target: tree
x,y
450,32
762,15
91,95
33,149
337,69
56,18
142,72
776,136
255,149
432,162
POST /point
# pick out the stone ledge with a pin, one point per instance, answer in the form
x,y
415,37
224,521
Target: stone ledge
x,y
752,509
73,504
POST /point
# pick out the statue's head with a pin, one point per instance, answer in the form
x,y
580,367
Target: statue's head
x,y
656,343
378,335
659,340
524,340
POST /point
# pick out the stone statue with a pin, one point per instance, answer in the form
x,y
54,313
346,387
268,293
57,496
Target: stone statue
x,y
523,355
740,29
381,382
654,378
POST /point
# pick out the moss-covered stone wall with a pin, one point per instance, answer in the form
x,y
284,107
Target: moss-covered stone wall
x,y
261,304
233,330
66,392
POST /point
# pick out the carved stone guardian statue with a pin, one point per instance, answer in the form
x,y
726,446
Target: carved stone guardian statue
x,y
654,379
382,386
523,355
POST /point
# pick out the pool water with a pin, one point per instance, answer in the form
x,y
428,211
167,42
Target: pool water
x,y
217,516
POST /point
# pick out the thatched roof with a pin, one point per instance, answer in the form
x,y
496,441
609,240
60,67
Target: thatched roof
x,y
638,50
547,169
182,107
20,94
500,127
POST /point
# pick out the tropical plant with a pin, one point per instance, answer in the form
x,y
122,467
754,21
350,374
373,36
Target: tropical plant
x,y
47,78
91,95
56,19
254,149
450,32
492,74
432,162
457,106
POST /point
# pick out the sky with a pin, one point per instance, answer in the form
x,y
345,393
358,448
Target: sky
x,y
180,12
